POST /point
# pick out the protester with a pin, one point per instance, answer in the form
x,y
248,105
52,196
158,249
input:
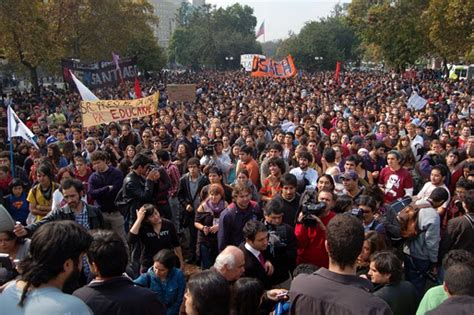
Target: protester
x,y
110,291
165,280
321,292
51,268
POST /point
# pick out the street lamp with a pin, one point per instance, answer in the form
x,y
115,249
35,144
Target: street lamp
x,y
229,59
319,60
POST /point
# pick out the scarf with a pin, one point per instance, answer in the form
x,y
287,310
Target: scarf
x,y
216,209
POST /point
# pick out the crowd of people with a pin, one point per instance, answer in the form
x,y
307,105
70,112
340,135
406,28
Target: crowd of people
x,y
290,196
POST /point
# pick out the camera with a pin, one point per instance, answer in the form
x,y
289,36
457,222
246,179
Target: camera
x,y
209,150
310,209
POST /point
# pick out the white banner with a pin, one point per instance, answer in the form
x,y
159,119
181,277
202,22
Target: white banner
x,y
416,102
247,59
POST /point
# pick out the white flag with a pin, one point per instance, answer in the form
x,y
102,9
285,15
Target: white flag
x,y
86,94
16,128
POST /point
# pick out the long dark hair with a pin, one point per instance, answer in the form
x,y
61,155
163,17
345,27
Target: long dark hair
x,y
247,295
210,293
51,245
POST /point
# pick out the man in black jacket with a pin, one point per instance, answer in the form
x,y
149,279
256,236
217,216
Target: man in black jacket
x,y
460,231
110,292
256,242
138,186
76,210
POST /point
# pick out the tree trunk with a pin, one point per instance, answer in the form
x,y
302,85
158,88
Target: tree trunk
x,y
34,79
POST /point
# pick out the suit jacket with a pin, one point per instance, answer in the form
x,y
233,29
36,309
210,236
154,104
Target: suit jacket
x,y
254,269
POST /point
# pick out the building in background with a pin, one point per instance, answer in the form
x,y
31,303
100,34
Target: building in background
x,y
166,11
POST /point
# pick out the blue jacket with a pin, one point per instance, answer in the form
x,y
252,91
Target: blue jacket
x,y
170,292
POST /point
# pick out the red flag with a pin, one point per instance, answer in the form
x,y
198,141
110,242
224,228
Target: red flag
x,y
138,90
338,69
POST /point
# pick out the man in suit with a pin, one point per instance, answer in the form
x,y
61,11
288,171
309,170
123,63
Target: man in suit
x,y
256,242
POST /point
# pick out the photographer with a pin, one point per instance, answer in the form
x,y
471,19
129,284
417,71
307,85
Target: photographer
x,y
310,229
214,156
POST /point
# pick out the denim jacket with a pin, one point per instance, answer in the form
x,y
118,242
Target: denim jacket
x,y
170,292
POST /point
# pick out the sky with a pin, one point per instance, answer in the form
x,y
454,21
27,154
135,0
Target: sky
x,y
283,16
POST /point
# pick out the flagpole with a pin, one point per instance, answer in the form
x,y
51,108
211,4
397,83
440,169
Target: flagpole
x,y
12,161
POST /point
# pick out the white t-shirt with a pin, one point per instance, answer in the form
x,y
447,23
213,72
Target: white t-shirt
x,y
48,300
428,188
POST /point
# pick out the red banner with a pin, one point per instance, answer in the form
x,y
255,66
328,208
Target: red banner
x,y
276,69
338,69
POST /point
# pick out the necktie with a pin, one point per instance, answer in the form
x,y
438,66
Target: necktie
x,y
261,259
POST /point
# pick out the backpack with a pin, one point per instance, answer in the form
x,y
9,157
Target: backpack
x,y
408,220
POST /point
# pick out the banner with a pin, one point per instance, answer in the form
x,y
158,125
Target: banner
x,y
270,68
16,128
105,111
338,69
181,92
247,59
100,74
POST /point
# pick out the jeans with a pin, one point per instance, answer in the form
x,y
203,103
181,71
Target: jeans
x,y
175,211
208,256
415,272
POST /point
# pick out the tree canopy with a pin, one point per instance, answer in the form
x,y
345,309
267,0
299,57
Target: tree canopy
x,y
40,33
207,36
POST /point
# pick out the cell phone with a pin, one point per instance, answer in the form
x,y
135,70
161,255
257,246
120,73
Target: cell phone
x,y
5,262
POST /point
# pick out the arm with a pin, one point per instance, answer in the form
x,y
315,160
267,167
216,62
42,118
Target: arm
x,y
181,283
95,190
432,240
52,216
222,235
142,280
179,253
135,229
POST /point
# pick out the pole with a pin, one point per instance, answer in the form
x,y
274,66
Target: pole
x,y
12,161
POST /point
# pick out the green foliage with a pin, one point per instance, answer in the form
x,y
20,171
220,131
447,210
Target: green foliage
x,y
405,30
40,33
330,38
206,36
450,28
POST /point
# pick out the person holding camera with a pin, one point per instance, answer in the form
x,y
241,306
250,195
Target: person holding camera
x,y
311,229
215,156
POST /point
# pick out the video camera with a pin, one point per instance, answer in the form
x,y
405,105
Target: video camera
x,y
311,209
209,150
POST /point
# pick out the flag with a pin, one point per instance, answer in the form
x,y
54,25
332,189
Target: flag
x,y
116,59
338,69
138,90
261,30
16,128
86,94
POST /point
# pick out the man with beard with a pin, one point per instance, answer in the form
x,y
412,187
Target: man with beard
x,y
76,210
51,268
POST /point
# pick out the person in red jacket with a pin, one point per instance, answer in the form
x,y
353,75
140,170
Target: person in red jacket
x,y
311,234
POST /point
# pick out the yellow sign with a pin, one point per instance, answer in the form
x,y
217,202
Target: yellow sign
x,y
105,111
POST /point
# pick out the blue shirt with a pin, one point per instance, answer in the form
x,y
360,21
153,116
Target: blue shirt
x,y
48,300
18,207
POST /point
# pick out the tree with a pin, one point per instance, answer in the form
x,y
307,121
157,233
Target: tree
x,y
320,44
206,36
28,36
450,28
393,26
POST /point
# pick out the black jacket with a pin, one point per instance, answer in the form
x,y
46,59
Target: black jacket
x,y
184,192
138,190
459,235
459,305
254,269
401,297
119,296
96,221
